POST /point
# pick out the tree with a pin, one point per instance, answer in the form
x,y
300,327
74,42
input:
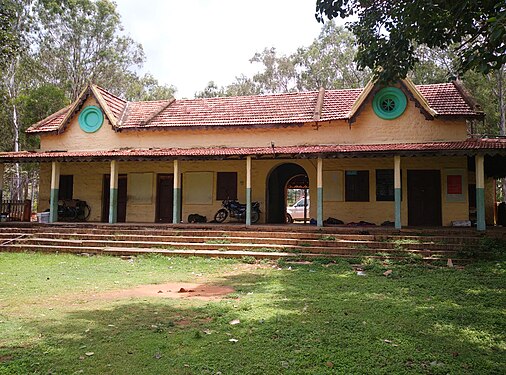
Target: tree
x,y
10,42
148,88
279,74
210,91
242,86
83,43
388,31
433,65
328,61
38,103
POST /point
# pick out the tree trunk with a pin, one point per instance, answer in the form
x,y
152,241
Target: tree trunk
x,y
12,94
500,94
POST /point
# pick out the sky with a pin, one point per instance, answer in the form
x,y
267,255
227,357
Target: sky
x,y
189,43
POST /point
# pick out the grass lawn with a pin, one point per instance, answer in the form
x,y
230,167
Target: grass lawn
x,y
56,318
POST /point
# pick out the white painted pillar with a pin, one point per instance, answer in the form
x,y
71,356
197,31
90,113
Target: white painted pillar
x,y
319,197
113,193
176,209
397,190
55,189
248,190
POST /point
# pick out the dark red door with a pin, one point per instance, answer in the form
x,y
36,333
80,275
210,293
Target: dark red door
x,y
424,198
164,198
122,198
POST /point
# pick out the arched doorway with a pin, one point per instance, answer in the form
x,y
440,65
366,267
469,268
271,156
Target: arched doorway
x,y
277,183
297,199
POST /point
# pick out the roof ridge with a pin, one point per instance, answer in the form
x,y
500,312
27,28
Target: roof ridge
x,y
105,106
110,93
157,112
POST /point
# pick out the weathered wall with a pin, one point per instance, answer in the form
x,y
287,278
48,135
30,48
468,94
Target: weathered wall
x,y
88,179
411,127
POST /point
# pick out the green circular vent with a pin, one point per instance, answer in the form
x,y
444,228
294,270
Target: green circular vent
x,y
389,103
91,119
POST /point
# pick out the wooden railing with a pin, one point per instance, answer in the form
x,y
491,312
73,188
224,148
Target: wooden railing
x,y
16,210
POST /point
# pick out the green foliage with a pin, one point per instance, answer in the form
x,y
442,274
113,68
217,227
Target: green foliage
x,y
148,88
36,104
10,42
248,259
210,91
278,75
327,237
83,42
486,248
328,61
389,31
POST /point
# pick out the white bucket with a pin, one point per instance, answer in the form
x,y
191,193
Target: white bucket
x,y
43,217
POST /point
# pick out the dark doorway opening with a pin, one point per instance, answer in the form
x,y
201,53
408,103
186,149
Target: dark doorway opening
x,y
424,198
122,198
277,184
164,198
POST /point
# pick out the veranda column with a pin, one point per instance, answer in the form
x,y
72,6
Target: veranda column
x,y
248,190
2,170
113,193
397,190
55,188
176,209
480,192
319,197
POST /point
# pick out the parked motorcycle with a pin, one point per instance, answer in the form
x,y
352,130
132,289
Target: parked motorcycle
x,y
237,210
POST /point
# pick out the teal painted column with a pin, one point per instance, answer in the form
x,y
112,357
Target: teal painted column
x,y
176,207
480,192
2,170
113,193
397,191
319,196
55,188
248,190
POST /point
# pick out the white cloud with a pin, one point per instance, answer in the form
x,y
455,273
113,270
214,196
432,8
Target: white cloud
x,y
189,43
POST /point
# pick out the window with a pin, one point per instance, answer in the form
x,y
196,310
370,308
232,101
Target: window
x,y
389,103
226,186
66,187
385,185
357,186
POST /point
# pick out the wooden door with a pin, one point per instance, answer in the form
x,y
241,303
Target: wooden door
x,y
164,198
424,198
122,198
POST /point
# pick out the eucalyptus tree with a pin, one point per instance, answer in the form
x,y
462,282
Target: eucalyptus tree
x,y
85,42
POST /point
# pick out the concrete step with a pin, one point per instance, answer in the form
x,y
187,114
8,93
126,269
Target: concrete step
x,y
398,238
399,244
123,251
337,249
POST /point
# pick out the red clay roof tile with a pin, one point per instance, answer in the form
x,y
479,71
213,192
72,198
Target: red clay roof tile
x,y
290,108
491,146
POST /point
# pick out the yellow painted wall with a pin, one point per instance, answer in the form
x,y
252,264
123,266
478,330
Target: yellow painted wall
x,y
88,179
411,127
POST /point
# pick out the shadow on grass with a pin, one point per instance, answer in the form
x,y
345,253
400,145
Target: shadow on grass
x,y
311,319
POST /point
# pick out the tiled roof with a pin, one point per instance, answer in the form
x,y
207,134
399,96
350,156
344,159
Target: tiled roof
x,y
467,147
445,99
115,104
240,110
275,109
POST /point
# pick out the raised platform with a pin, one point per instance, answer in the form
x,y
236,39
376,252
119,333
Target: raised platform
x,y
237,240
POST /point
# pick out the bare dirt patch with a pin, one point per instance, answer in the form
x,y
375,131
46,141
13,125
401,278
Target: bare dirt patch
x,y
6,358
170,290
